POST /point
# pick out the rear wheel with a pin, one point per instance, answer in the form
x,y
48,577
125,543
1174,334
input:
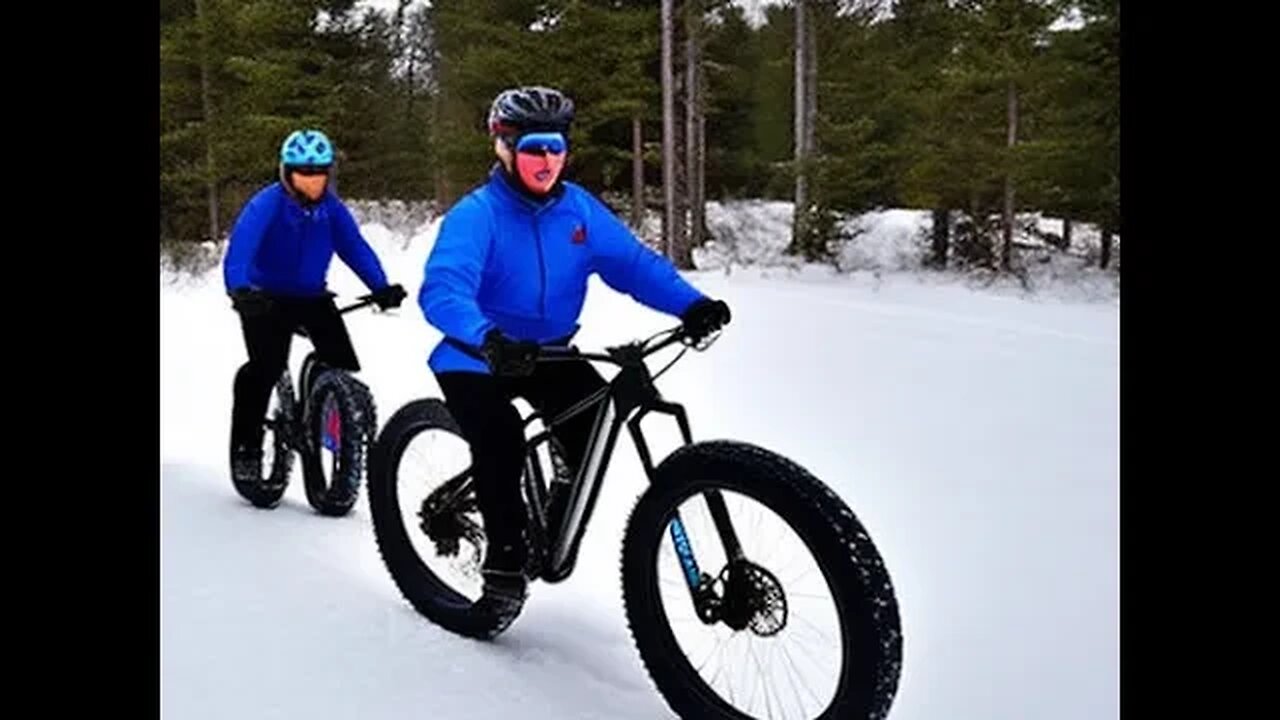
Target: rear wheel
x,y
265,492
431,539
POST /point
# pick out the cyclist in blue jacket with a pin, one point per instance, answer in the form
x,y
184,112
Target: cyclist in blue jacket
x,y
509,273
275,270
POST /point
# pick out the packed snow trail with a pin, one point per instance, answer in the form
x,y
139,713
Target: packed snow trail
x,y
975,435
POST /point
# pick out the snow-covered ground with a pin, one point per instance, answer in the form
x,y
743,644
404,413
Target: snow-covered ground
x,y
975,433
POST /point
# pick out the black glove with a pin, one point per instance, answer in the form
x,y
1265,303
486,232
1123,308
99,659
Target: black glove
x,y
251,302
509,357
704,317
388,297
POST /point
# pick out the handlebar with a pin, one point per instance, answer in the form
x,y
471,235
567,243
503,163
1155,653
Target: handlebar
x,y
364,301
627,355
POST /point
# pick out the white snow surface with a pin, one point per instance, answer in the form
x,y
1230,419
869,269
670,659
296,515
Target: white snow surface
x,y
974,432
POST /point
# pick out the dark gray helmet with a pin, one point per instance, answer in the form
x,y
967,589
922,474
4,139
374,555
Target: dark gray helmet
x,y
530,109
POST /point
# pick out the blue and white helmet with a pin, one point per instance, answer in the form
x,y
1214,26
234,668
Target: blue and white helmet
x,y
306,147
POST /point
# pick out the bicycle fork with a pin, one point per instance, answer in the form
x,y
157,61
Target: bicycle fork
x,y
707,603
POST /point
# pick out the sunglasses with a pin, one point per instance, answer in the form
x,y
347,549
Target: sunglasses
x,y
309,170
542,143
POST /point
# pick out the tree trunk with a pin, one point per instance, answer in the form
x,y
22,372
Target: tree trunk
x,y
1006,251
693,120
810,85
207,105
1066,234
671,229
637,173
1105,259
443,188
941,237
810,125
800,224
702,163
403,40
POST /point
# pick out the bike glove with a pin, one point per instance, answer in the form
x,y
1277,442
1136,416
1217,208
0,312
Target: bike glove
x,y
704,317
514,358
388,297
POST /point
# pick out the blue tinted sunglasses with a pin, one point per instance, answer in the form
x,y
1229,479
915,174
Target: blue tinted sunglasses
x,y
542,142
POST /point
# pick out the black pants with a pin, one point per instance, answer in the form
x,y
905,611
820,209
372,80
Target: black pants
x,y
268,338
482,405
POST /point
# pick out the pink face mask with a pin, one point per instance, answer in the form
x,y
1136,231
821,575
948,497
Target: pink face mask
x,y
540,158
539,172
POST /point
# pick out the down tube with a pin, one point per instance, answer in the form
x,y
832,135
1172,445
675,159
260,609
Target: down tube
x,y
587,486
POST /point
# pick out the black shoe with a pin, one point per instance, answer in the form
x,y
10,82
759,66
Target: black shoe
x,y
246,465
506,560
505,585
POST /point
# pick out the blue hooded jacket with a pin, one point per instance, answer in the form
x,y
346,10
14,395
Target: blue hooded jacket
x,y
502,260
282,247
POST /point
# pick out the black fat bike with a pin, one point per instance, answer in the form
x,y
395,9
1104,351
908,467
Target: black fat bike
x,y
330,430
751,589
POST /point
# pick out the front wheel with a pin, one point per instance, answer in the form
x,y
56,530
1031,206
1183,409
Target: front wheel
x,y
802,624
339,424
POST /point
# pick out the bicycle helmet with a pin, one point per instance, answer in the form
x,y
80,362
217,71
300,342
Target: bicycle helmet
x,y
306,147
530,109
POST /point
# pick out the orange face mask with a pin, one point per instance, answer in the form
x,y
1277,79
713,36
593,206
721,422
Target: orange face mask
x,y
311,186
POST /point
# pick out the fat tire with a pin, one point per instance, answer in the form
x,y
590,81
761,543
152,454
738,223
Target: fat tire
x,y
421,587
840,545
266,493
358,420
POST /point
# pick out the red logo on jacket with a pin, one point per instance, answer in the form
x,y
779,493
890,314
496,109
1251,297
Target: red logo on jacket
x,y
579,235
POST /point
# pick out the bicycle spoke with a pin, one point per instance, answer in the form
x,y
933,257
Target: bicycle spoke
x,y
425,465
791,663
762,677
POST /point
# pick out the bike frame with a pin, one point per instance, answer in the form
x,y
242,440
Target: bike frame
x,y
627,399
306,374
308,371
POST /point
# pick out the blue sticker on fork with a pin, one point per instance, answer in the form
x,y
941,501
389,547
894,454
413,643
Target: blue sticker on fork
x,y
685,552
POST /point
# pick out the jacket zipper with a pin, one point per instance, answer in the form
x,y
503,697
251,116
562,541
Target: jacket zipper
x,y
542,266
301,240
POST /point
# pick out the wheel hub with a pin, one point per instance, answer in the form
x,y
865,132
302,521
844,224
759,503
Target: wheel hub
x,y
753,599
447,527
